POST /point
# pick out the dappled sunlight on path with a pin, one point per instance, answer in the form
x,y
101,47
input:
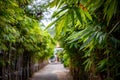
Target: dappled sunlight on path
x,y
53,71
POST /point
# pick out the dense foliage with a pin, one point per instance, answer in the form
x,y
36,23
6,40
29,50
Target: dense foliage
x,y
89,30
22,41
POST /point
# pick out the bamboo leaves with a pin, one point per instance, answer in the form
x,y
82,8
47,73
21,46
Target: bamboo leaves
x,y
110,9
20,34
102,64
78,15
75,12
60,26
91,32
87,14
88,64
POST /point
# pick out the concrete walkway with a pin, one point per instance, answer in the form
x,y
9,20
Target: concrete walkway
x,y
53,71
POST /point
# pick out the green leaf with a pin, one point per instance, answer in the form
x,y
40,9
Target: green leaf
x,y
55,21
62,10
87,41
72,16
13,3
53,3
77,11
60,25
110,9
87,14
82,12
101,64
88,63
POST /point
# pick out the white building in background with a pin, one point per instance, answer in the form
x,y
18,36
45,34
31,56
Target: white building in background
x,y
55,54
55,59
56,50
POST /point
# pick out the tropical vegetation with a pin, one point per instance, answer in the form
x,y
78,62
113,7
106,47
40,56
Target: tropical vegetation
x,y
89,30
23,43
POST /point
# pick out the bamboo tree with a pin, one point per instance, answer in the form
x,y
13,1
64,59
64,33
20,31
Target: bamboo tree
x,y
90,27
21,41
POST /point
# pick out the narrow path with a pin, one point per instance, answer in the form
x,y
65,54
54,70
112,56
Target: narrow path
x,y
53,71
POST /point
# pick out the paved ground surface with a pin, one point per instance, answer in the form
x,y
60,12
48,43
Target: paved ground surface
x,y
53,71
